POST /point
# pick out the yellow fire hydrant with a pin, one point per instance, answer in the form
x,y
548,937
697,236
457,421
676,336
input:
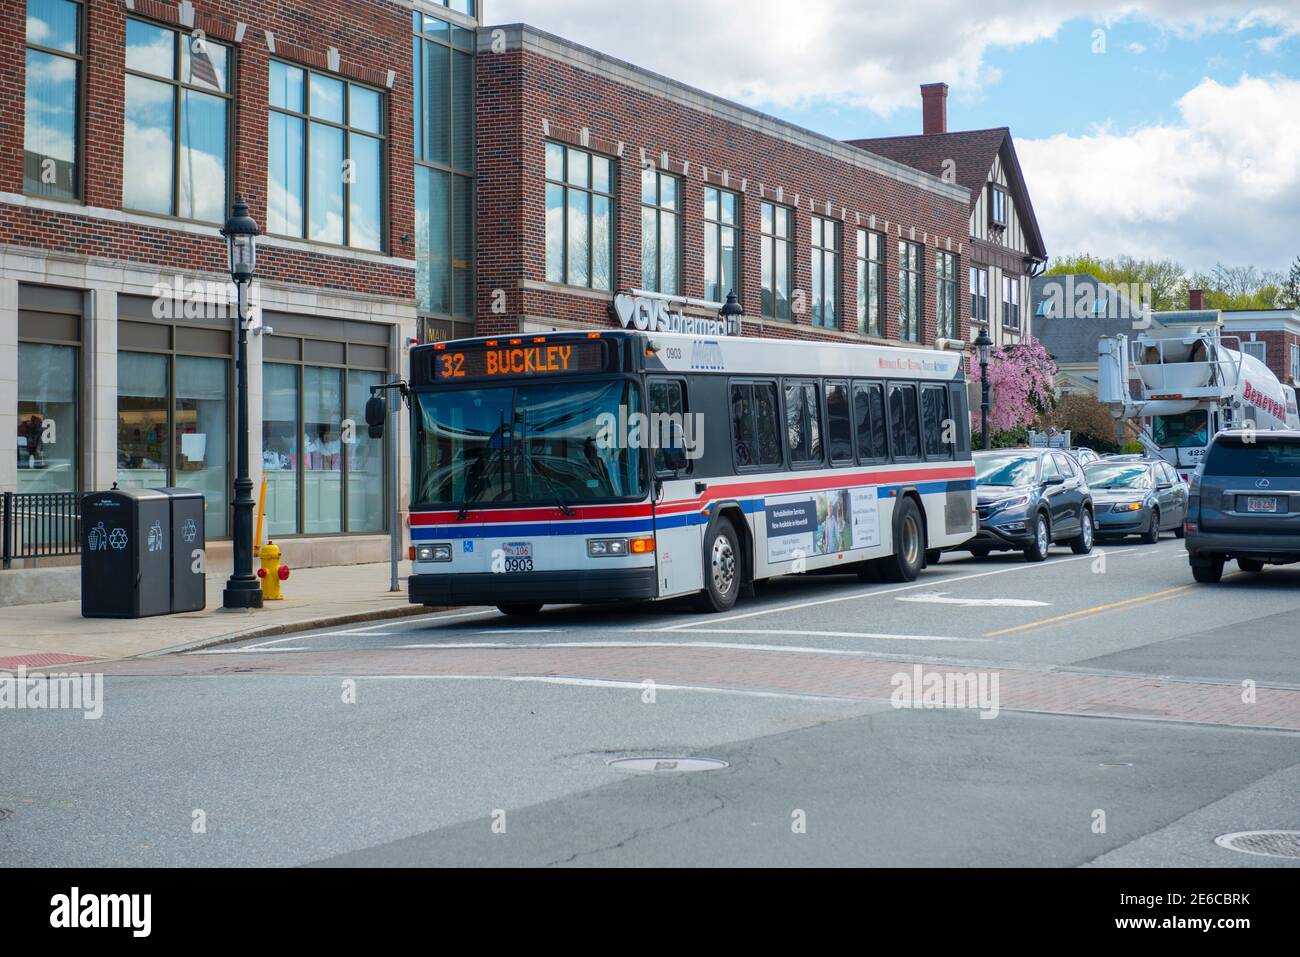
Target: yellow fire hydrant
x,y
272,572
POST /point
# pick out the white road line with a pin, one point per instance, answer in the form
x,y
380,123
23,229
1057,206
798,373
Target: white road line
x,y
819,634
369,629
622,685
940,598
739,646
1034,566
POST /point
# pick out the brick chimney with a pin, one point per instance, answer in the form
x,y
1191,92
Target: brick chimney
x,y
1196,299
934,108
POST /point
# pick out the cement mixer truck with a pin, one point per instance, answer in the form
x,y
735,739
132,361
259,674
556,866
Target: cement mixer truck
x,y
1191,385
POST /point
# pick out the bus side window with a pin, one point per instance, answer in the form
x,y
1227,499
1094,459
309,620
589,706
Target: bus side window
x,y
902,421
936,425
957,407
754,419
869,414
668,420
839,427
803,423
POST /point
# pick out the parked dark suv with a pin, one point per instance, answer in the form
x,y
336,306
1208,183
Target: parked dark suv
x,y
1029,498
1245,503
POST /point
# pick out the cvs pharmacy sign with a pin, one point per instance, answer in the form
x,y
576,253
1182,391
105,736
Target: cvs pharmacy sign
x,y
648,314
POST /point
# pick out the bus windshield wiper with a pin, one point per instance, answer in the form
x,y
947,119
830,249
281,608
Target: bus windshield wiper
x,y
560,503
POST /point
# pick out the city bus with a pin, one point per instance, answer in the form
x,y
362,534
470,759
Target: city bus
x,y
584,467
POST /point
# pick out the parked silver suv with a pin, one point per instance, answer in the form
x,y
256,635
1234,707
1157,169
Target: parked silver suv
x,y
1245,503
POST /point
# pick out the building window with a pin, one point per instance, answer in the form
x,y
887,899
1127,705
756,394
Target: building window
x,y
325,159
52,137
467,7
825,289
909,291
579,217
47,417
721,244
997,206
1295,362
324,474
777,224
871,283
175,143
979,295
1011,302
945,295
443,108
173,424
1257,348
660,229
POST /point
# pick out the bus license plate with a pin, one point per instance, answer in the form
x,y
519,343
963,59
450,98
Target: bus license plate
x,y
518,556
1261,503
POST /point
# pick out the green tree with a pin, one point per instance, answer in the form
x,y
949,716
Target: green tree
x,y
1291,292
1159,283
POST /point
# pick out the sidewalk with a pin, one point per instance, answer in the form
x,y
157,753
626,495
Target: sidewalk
x,y
55,633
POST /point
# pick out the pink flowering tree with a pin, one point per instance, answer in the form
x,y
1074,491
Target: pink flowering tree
x,y
1021,388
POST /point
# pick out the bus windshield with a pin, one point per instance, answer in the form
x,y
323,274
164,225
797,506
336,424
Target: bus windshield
x,y
1185,431
525,444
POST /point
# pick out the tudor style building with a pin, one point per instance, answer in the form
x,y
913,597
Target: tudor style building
x,y
1005,245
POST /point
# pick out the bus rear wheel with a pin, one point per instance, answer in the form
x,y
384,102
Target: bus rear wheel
x,y
905,564
520,609
722,569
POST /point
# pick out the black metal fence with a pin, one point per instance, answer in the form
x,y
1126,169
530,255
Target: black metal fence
x,y
40,525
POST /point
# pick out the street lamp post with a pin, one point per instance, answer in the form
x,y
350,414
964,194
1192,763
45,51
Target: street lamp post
x,y
732,311
242,589
982,346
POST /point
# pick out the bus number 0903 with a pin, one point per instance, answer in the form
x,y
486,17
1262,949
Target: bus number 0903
x,y
519,564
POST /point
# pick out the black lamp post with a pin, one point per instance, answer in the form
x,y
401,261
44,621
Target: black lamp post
x,y
982,346
732,311
242,589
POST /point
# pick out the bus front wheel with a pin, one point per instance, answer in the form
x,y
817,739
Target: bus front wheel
x,y
722,569
905,564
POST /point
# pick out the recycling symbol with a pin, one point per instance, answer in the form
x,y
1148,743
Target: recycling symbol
x,y
189,531
117,538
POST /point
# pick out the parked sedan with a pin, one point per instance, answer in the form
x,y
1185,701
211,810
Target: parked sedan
x,y
1028,499
1139,497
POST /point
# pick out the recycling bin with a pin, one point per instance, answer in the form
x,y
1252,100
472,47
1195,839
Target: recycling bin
x,y
189,558
126,555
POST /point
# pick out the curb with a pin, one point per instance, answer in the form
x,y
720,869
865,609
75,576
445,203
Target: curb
x,y
289,627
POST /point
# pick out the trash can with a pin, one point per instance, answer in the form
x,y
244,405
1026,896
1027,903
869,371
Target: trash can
x,y
126,557
189,580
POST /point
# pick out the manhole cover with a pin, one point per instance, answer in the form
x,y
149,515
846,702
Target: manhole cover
x,y
666,765
1265,843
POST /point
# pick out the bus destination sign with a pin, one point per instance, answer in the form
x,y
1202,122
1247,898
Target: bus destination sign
x,y
519,358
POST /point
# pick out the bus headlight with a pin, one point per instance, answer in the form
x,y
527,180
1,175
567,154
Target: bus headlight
x,y
606,547
433,553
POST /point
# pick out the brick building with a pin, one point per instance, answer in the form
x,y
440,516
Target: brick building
x,y
129,127
596,176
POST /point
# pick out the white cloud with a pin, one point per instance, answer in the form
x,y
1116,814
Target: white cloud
x,y
1222,184
854,53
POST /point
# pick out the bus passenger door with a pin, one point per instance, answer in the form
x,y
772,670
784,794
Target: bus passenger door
x,y
678,532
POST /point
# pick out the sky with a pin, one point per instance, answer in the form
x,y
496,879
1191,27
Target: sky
x,y
1165,129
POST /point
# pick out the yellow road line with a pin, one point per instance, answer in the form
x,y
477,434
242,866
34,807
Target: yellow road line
x,y
1097,609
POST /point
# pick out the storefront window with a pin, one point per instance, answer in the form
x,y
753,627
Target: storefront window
x,y
365,460
47,418
322,413
280,447
143,446
201,422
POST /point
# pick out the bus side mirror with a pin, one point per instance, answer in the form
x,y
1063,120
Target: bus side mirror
x,y
675,458
376,414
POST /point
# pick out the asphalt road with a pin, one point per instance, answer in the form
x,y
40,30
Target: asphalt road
x,y
1120,732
